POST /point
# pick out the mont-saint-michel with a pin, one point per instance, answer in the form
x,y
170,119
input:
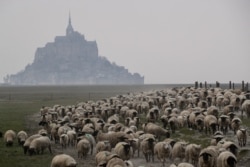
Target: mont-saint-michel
x,y
72,60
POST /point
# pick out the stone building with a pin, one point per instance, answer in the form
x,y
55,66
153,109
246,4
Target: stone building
x,y
72,60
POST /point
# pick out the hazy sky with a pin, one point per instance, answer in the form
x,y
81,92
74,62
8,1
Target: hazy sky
x,y
167,41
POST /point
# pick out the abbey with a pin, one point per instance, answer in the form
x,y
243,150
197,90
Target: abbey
x,y
72,60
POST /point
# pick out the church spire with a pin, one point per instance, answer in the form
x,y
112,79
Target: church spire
x,y
69,29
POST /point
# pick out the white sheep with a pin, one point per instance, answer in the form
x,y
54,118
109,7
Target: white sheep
x,y
64,141
162,150
210,123
147,148
63,160
39,145
103,146
72,137
235,124
224,123
192,152
83,147
113,137
9,137
226,159
21,137
116,162
27,142
91,140
208,157
246,107
178,150
155,130
102,157
122,149
185,164
242,137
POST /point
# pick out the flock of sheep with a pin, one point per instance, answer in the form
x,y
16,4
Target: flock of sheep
x,y
118,129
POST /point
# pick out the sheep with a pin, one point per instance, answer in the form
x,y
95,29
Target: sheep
x,y
83,147
115,162
135,145
91,140
172,121
72,137
64,140
9,137
27,142
178,150
113,137
246,107
63,160
223,122
122,149
39,145
184,164
192,152
230,146
242,137
102,157
210,123
208,157
147,148
226,159
162,150
103,146
155,130
21,137
235,124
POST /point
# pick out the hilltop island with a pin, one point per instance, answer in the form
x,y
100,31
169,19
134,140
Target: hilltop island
x,y
72,60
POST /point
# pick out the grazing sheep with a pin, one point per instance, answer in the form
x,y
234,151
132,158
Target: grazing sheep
x,y
122,149
103,146
178,150
83,147
21,137
155,130
162,150
192,152
226,159
39,145
242,137
9,137
147,148
27,142
63,160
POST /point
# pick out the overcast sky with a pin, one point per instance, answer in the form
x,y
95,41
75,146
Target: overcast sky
x,y
166,41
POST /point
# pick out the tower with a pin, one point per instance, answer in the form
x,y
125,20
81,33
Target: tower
x,y
69,29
